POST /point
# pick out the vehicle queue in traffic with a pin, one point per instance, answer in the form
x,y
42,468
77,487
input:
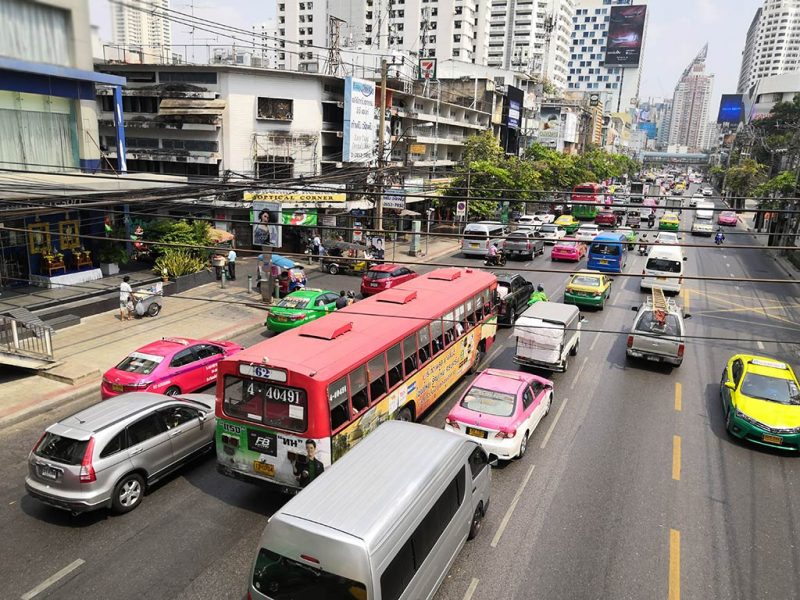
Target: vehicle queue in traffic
x,y
290,407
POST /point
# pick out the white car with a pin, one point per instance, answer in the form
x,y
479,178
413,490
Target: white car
x,y
666,237
586,233
696,198
707,191
551,233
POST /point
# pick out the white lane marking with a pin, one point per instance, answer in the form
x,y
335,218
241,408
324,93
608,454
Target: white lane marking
x,y
553,425
760,344
728,265
510,511
594,341
732,275
471,589
52,579
578,374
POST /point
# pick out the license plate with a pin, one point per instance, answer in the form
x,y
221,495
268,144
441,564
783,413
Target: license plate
x,y
603,262
264,468
476,432
49,472
474,245
373,285
281,318
116,388
773,439
653,359
661,278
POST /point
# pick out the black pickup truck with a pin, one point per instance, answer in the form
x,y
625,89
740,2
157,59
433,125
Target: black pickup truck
x,y
514,291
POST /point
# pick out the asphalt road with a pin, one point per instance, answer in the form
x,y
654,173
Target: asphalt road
x,y
602,505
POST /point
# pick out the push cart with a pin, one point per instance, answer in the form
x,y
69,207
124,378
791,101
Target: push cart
x,y
147,301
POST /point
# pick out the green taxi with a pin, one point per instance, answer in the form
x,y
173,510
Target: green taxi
x,y
669,222
300,307
568,223
588,288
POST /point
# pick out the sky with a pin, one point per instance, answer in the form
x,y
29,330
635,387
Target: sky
x,y
676,31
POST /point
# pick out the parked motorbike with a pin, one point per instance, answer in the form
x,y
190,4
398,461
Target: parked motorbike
x,y
498,260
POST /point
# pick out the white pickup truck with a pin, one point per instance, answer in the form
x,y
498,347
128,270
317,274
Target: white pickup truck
x,y
547,334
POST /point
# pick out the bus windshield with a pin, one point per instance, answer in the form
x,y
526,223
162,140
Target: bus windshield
x,y
266,403
282,578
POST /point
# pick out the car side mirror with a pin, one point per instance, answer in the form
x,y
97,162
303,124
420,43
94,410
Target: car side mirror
x,y
687,316
582,319
203,417
493,462
635,308
730,385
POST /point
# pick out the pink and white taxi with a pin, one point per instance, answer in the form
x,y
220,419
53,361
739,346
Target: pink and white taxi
x,y
500,410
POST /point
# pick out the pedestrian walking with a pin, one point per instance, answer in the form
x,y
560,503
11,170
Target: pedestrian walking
x,y
125,300
316,246
232,264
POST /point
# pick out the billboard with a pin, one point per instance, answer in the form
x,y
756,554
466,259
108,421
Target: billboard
x,y
650,130
549,126
358,139
731,109
515,99
266,219
625,35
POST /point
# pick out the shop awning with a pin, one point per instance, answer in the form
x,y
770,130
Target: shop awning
x,y
409,213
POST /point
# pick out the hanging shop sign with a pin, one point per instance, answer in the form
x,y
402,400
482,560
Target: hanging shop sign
x,y
302,217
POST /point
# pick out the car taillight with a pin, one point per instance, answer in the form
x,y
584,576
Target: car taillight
x,y
630,341
529,245
681,348
36,445
452,422
644,272
506,434
87,470
297,316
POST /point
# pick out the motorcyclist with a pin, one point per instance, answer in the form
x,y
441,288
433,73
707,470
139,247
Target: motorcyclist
x,y
492,254
643,244
651,219
538,295
719,238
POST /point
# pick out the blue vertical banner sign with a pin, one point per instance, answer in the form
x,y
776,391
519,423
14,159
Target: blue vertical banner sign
x,y
119,126
358,138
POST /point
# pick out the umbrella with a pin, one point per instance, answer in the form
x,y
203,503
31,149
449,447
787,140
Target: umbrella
x,y
218,236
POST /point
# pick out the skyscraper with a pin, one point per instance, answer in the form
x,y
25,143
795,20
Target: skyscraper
x,y
618,84
138,25
771,43
690,102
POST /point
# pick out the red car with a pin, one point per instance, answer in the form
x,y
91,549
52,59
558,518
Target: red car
x,y
169,366
568,249
382,277
728,217
605,217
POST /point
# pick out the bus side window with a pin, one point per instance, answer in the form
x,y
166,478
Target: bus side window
x,y
470,312
410,354
448,324
337,401
424,345
376,369
436,336
394,363
358,389
479,307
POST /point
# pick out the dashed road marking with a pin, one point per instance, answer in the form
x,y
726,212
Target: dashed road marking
x,y
578,374
54,578
471,589
678,396
510,511
674,565
760,344
676,458
553,424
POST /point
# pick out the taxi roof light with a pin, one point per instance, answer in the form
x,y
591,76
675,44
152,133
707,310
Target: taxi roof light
x,y
769,363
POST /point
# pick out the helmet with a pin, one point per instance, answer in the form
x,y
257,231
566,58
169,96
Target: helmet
x,y
351,294
539,288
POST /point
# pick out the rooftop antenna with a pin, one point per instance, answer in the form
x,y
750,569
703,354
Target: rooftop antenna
x,y
334,63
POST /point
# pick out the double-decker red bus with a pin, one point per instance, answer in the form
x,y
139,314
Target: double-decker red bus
x,y
291,405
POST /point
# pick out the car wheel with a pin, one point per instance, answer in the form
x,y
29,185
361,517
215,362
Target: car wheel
x,y
566,364
128,493
574,350
602,305
477,517
333,269
404,415
173,390
523,445
477,363
549,404
154,309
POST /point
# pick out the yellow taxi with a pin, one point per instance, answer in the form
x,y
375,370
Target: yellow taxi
x,y
761,400
669,222
588,288
568,223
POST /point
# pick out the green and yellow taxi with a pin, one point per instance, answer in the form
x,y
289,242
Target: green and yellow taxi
x,y
300,307
761,400
568,223
588,288
669,222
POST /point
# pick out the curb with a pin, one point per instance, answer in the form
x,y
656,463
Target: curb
x,y
17,414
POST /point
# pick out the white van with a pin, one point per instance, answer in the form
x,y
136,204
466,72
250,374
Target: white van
x,y
703,223
385,522
478,236
664,269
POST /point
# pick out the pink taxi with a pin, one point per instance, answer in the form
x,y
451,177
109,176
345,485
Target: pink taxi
x,y
568,249
169,366
500,410
728,217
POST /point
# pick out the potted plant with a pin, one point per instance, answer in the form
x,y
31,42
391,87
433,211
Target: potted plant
x,y
111,255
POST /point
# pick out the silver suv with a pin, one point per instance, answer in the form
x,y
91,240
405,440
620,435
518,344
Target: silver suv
x,y
658,336
105,456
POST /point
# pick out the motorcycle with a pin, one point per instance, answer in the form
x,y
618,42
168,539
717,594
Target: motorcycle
x,y
718,239
642,248
498,260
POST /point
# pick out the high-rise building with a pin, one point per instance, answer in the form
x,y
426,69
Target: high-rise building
x,y
772,42
302,31
690,104
662,120
266,44
140,26
531,36
618,85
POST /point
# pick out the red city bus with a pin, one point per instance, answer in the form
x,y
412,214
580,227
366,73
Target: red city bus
x,y
290,406
588,198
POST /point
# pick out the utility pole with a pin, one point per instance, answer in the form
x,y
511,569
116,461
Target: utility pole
x,y
381,149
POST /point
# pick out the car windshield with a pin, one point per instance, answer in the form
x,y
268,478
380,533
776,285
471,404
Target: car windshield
x,y
548,229
141,363
663,264
517,236
64,450
606,249
649,324
587,280
266,403
475,236
378,274
489,402
703,221
294,302
728,214
282,578
782,391
567,244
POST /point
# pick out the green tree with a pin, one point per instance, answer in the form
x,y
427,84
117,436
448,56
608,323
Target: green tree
x,y
743,178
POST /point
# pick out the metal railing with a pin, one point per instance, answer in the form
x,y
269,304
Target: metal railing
x,y
31,340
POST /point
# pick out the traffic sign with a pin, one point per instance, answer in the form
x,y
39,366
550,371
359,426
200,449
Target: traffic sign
x,y
461,208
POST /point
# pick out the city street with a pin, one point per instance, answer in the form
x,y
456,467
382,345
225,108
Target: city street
x,y
630,488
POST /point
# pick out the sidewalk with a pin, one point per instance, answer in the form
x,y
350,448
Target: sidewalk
x,y
746,219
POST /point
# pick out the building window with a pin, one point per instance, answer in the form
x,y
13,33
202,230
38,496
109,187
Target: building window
x,y
274,167
188,76
279,109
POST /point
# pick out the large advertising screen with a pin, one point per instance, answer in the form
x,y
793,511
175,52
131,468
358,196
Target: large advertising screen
x,y
358,139
515,99
731,109
625,35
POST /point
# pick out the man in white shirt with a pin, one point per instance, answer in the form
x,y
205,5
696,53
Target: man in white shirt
x,y
124,299
232,264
